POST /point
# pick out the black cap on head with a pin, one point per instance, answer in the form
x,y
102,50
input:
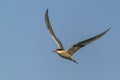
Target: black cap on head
x,y
59,49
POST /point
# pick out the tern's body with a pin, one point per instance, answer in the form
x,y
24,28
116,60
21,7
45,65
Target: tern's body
x,y
67,54
64,54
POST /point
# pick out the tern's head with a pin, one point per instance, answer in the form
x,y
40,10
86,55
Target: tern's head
x,y
57,50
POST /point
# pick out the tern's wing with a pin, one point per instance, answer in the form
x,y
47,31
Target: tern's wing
x,y
49,27
81,44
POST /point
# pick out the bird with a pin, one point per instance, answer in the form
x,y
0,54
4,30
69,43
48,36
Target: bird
x,y
67,54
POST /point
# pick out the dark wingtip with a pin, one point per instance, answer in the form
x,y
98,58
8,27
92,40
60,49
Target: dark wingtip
x,y
106,30
46,11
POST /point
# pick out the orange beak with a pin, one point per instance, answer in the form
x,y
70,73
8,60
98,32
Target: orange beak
x,y
54,51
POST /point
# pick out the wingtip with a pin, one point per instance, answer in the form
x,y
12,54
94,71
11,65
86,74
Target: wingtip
x,y
46,14
46,11
107,30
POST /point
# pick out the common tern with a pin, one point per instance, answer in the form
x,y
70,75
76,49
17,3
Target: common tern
x,y
67,54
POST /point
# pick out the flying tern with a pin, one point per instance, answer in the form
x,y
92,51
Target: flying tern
x,y
67,54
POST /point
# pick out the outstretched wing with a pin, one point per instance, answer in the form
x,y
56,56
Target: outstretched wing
x,y
81,44
49,27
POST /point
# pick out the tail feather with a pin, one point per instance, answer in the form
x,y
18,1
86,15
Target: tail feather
x,y
74,61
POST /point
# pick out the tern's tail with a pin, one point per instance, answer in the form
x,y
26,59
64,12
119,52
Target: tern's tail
x,y
74,61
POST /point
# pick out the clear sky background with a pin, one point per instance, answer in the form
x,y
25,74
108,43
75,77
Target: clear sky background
x,y
25,44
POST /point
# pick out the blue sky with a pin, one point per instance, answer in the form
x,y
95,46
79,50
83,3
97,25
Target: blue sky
x,y
25,44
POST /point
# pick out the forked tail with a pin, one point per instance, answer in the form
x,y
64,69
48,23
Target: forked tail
x,y
74,61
